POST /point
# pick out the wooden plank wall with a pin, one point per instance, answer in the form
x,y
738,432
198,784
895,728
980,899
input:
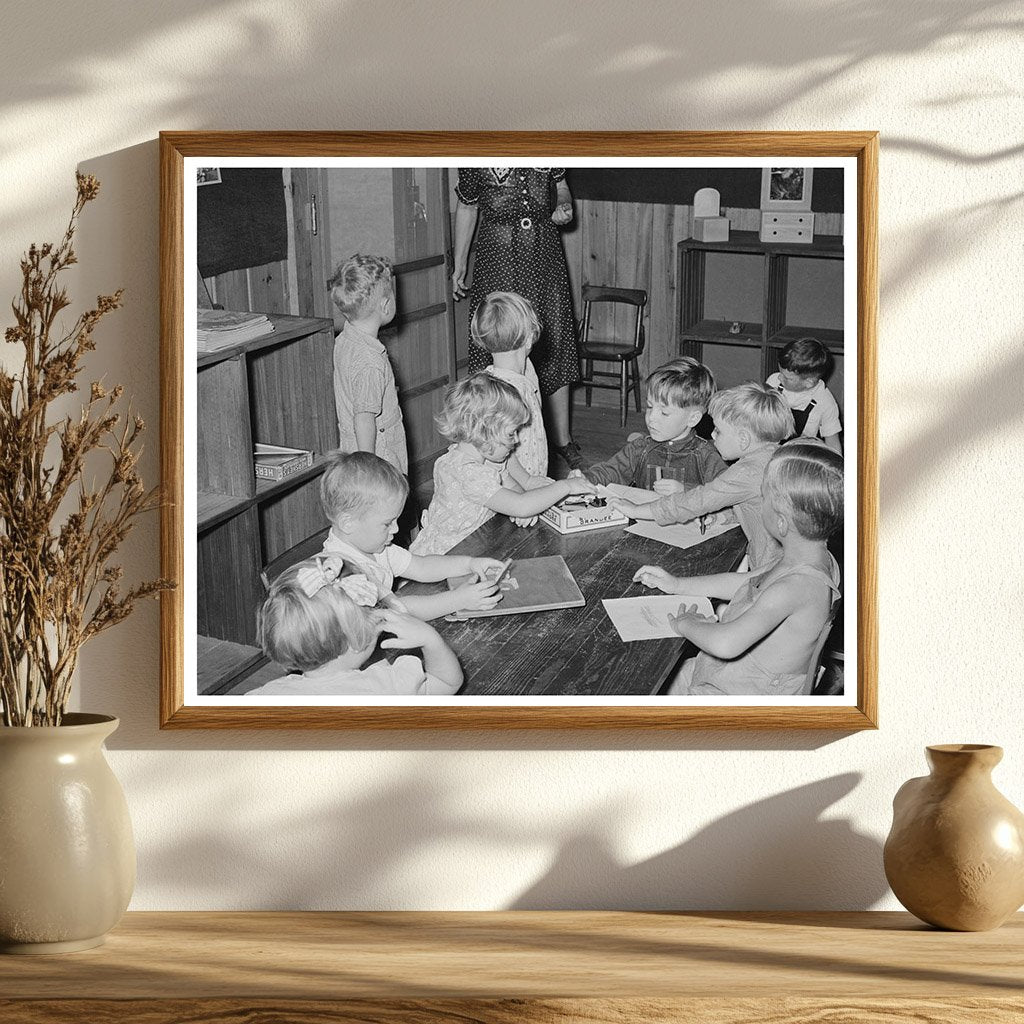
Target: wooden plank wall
x,y
629,245
261,289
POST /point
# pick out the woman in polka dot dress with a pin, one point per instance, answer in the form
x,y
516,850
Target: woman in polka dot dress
x,y
518,249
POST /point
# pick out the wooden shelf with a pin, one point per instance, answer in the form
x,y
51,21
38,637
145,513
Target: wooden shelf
x,y
286,328
213,509
220,663
832,340
717,332
277,387
695,328
267,489
823,246
510,968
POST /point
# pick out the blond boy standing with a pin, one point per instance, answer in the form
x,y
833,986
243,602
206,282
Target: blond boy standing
x,y
365,394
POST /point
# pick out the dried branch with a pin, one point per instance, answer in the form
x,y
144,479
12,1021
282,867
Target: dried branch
x,y
58,586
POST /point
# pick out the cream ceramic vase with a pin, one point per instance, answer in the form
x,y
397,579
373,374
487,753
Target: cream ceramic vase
x,y
67,855
955,854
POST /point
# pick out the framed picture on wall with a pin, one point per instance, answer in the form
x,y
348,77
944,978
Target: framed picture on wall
x,y
786,188
370,343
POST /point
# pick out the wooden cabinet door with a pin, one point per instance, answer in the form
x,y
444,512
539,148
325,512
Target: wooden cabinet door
x,y
402,213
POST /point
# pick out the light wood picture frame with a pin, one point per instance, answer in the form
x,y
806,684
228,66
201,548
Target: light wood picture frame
x,y
305,337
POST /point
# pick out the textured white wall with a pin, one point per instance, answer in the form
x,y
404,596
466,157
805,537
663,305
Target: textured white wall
x,y
748,820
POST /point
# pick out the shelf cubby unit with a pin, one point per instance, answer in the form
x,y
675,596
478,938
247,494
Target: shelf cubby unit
x,y
278,389
771,263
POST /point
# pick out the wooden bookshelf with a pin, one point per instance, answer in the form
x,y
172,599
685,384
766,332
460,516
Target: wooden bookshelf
x,y
277,389
771,263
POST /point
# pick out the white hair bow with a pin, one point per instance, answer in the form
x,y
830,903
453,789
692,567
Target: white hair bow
x,y
327,573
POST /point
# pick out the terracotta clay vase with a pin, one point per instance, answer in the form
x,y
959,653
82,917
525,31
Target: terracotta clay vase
x,y
955,854
67,855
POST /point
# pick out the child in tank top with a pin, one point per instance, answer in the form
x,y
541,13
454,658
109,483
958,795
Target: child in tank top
x,y
766,636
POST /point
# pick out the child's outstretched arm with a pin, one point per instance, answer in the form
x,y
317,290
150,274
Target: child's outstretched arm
x,y
439,659
516,472
730,639
721,586
535,501
834,443
431,568
732,487
478,595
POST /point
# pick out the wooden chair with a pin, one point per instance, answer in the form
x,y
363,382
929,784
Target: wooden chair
x,y
304,549
624,351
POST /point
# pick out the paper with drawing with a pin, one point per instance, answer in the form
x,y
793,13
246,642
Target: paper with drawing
x,y
646,618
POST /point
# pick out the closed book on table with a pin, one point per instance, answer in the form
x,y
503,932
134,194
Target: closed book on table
x,y
530,585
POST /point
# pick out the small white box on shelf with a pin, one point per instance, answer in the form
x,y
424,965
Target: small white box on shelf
x,y
711,229
787,227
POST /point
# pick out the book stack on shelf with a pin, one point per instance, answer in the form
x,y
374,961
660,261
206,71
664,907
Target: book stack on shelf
x,y
221,328
276,462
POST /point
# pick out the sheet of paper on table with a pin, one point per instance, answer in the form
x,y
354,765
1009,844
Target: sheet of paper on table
x,y
679,535
646,618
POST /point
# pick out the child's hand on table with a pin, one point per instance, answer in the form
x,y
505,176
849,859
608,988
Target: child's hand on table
x,y
668,486
578,485
407,632
657,578
629,509
524,520
477,597
483,567
687,614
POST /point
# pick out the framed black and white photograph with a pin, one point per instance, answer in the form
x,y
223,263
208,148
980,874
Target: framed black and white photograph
x,y
538,445
786,188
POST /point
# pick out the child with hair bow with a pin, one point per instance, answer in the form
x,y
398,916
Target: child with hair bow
x,y
323,625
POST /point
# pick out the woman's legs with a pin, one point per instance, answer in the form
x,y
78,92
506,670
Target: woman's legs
x,y
556,424
556,413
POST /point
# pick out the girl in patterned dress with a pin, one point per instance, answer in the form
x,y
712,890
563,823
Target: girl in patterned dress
x,y
479,475
518,249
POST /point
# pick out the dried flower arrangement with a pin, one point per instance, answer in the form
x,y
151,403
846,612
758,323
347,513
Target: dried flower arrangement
x,y
58,533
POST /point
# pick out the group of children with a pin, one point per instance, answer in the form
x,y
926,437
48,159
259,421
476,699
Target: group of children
x,y
322,617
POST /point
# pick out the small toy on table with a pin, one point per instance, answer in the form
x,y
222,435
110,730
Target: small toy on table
x,y
580,512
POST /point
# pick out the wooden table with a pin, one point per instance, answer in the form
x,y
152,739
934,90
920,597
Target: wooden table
x,y
574,652
509,968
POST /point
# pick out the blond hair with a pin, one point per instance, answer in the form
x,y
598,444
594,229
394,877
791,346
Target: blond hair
x,y
805,479
300,632
683,382
357,281
504,321
757,408
480,410
355,481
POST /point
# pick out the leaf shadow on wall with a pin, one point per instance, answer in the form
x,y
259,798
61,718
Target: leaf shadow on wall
x,y
409,843
778,853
